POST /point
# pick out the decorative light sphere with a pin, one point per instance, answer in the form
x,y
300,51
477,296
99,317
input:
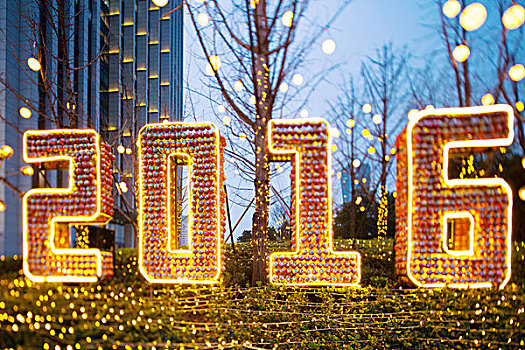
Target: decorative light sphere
x,y
473,16
371,150
451,8
514,17
215,62
160,3
519,106
304,113
123,187
487,100
328,46
412,113
283,87
226,120
221,108
6,152
297,79
350,123
27,170
203,19
2,206
34,64
238,86
121,149
377,119
253,100
336,132
517,72
521,193
356,163
288,18
128,150
461,53
366,133
25,112
523,162
367,108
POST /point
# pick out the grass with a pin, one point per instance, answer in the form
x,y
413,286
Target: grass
x,y
128,313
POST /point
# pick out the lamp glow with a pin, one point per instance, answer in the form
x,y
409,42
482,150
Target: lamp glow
x,y
297,79
473,16
356,163
34,64
121,149
377,119
6,152
367,108
288,18
25,112
461,53
487,100
328,46
27,170
517,72
514,17
451,8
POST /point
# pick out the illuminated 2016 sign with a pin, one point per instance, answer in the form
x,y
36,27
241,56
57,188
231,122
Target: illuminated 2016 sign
x,y
307,143
48,212
433,210
162,147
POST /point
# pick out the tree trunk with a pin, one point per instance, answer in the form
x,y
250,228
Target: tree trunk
x,y
260,217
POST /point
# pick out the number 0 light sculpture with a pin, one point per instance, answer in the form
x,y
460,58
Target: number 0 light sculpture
x,y
162,147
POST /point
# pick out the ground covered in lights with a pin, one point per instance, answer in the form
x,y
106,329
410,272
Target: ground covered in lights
x,y
127,313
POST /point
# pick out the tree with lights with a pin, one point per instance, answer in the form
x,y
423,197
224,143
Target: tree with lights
x,y
251,49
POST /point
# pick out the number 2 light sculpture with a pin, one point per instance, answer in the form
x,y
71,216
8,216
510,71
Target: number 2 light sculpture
x,y
161,148
307,144
476,211
48,212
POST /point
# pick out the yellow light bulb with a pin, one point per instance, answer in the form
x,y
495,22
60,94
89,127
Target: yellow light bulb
x,y
366,133
473,16
371,150
367,108
328,46
451,8
160,3
6,151
487,100
517,72
25,112
297,79
34,64
461,53
27,170
226,120
350,123
356,163
521,193
121,149
514,17
2,206
215,62
203,19
288,18
519,106
377,119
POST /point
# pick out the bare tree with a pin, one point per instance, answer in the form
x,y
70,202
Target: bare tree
x,y
252,47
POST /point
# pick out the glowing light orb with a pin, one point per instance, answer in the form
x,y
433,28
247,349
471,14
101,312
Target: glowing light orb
x,y
367,108
473,16
238,86
514,17
2,206
27,170
226,120
371,150
356,163
6,152
34,64
121,149
461,53
221,108
350,123
451,8
377,119
304,113
519,106
283,87
517,72
487,100
288,18
25,112
328,46
160,3
203,19
297,79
